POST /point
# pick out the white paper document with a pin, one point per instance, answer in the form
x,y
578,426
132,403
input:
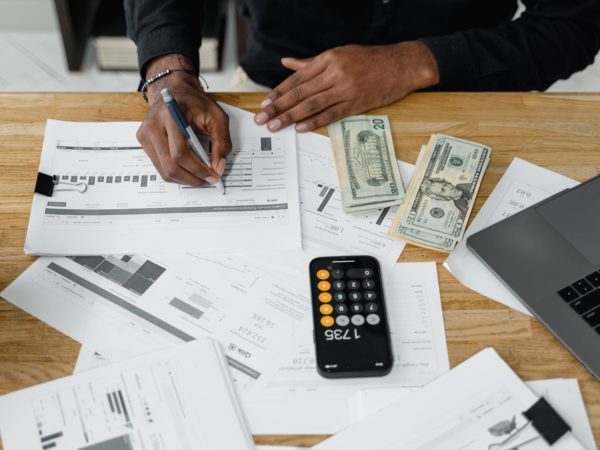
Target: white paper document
x,y
475,405
563,394
128,208
522,185
179,398
565,397
315,405
326,228
121,306
278,447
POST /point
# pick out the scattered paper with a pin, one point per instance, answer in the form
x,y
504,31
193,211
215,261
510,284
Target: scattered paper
x,y
278,447
326,228
178,398
315,405
565,396
125,305
128,208
475,405
522,185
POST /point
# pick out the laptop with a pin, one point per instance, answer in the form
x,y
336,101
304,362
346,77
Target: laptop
x,y
548,255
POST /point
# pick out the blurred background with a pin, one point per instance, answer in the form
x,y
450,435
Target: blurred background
x,y
80,45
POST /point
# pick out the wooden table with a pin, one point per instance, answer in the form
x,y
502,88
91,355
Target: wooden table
x,y
557,131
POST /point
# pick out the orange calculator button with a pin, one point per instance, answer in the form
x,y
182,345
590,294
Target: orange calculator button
x,y
325,297
327,321
326,309
324,285
323,274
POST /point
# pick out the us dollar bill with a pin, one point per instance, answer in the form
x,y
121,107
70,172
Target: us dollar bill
x,y
366,163
441,193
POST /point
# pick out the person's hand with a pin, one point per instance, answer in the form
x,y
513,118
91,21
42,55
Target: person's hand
x,y
344,81
163,141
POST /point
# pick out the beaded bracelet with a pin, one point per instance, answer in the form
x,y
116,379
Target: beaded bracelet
x,y
144,88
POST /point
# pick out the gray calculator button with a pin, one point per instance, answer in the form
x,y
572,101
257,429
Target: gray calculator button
x,y
368,284
353,284
339,296
359,273
337,274
370,296
354,296
371,307
373,319
340,308
356,307
342,321
338,285
357,320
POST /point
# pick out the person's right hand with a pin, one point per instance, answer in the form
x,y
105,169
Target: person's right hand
x,y
163,141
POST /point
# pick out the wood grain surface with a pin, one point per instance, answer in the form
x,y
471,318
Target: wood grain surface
x,y
557,131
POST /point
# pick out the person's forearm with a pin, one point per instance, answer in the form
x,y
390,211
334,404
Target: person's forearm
x,y
550,41
183,74
346,80
417,64
160,27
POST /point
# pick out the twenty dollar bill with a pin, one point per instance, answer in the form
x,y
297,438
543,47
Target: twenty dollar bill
x,y
441,193
366,163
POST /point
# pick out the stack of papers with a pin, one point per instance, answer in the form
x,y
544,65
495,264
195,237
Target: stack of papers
x,y
125,305
315,405
476,406
180,398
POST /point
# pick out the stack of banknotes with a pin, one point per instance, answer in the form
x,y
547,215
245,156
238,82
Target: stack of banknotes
x,y
441,193
366,163
435,209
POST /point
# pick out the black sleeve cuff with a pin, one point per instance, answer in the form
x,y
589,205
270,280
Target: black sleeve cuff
x,y
168,40
456,68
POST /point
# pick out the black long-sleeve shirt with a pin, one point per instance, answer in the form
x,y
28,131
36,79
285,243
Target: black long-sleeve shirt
x,y
476,43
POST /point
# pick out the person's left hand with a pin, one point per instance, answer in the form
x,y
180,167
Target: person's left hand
x,y
344,81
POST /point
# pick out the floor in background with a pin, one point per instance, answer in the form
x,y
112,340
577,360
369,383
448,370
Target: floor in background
x,y
34,61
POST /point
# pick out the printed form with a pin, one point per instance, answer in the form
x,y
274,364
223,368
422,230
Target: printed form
x,y
522,185
315,405
476,406
562,393
179,398
125,305
128,208
326,228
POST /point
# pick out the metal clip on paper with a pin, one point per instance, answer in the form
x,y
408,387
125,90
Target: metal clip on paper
x,y
549,425
48,184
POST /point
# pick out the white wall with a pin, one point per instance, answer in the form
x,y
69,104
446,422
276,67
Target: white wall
x,y
27,15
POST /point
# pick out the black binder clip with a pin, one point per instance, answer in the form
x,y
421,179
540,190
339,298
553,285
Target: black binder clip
x,y
549,425
47,184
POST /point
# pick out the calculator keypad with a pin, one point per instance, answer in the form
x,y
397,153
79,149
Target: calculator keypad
x,y
354,296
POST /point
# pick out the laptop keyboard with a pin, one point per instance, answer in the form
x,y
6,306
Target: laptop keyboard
x,y
584,297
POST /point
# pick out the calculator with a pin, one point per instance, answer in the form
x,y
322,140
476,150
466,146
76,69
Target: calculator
x,y
351,332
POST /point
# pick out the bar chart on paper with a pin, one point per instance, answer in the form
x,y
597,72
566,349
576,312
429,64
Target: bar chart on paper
x,y
128,208
179,398
64,417
132,272
195,306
